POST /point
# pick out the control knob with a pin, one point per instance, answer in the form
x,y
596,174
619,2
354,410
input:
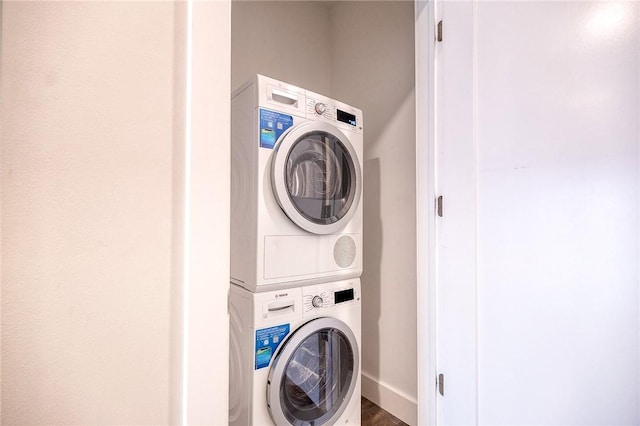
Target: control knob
x,y
321,108
317,302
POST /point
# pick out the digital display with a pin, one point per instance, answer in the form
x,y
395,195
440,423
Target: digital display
x,y
343,296
345,117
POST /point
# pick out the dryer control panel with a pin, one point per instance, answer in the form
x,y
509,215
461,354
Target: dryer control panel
x,y
288,99
340,115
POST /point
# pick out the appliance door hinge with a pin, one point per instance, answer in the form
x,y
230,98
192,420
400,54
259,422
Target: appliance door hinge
x,y
439,206
440,382
439,31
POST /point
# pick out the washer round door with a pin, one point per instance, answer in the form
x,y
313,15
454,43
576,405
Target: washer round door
x,y
313,377
316,177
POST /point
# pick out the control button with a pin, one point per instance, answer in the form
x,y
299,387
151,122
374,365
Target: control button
x,y
317,302
321,108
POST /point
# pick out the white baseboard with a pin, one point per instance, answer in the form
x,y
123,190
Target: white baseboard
x,y
392,400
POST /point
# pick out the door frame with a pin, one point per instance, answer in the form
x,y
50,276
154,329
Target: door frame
x,y
426,128
428,133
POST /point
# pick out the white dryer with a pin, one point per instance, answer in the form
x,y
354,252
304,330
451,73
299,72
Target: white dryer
x,y
296,185
295,355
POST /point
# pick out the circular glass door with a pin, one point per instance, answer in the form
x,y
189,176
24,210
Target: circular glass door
x,y
316,177
313,377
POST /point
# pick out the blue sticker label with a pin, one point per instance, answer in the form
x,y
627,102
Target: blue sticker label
x,y
267,341
272,125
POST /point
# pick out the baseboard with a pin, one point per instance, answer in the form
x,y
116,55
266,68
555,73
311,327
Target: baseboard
x,y
392,400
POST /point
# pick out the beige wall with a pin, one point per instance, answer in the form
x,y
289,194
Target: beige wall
x,y
90,194
86,211
285,40
372,66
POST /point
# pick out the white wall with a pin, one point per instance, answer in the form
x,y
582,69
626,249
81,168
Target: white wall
x,y
200,338
285,40
93,171
538,250
372,67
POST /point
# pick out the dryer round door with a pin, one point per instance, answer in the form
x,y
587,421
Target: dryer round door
x,y
316,177
313,377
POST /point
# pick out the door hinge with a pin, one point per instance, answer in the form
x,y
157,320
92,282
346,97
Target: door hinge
x,y
439,31
440,381
439,206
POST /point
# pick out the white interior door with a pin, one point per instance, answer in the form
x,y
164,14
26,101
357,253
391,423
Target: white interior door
x,y
538,137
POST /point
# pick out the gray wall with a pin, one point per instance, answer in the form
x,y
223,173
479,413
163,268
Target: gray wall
x,y
280,39
361,53
372,66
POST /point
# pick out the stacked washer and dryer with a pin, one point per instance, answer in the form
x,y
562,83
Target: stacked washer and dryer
x,y
296,257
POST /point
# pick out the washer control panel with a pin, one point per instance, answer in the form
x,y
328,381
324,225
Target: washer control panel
x,y
326,299
317,301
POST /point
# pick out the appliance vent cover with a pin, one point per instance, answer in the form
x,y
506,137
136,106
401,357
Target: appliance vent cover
x,y
344,251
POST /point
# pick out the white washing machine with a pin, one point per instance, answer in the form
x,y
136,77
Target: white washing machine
x,y
295,355
296,185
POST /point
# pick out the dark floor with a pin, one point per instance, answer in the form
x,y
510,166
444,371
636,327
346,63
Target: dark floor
x,y
372,415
